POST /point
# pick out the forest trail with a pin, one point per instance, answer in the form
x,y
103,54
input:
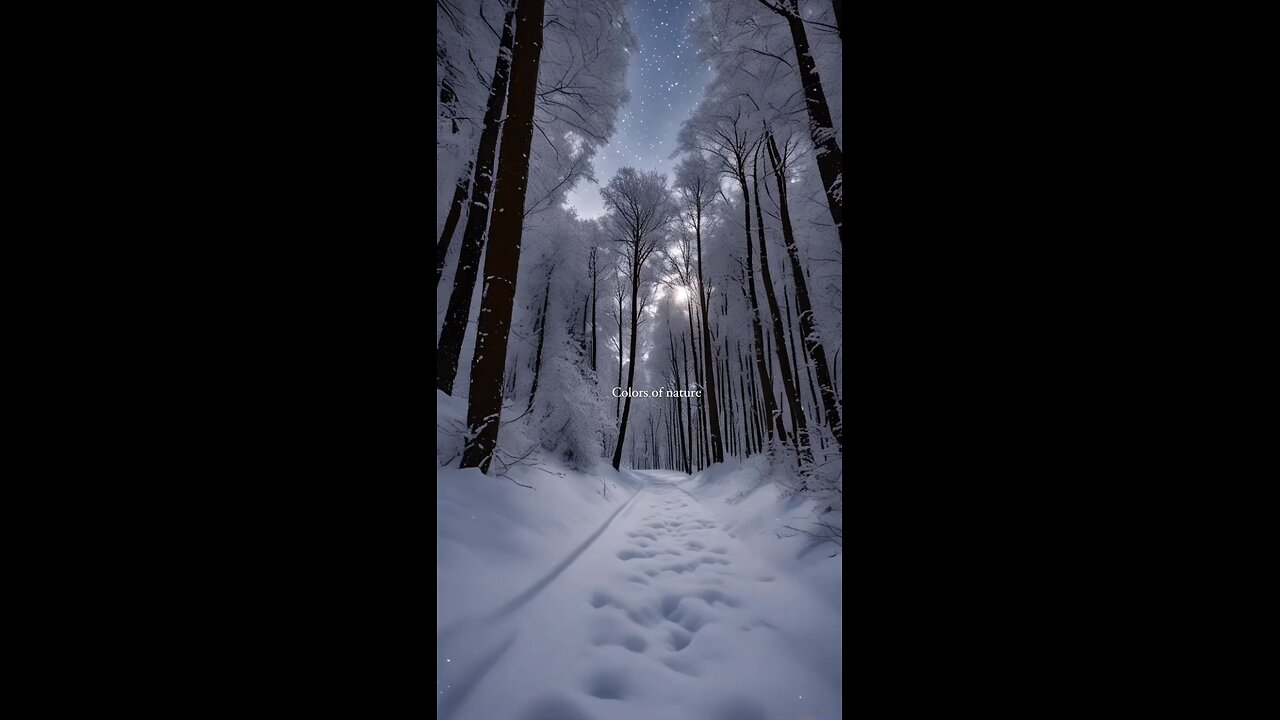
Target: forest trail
x,y
662,614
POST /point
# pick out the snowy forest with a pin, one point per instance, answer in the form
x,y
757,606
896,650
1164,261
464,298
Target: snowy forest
x,y
639,421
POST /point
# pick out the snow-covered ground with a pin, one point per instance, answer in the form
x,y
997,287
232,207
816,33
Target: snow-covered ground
x,y
661,601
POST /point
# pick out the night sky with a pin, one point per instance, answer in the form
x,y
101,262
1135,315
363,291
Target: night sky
x,y
666,81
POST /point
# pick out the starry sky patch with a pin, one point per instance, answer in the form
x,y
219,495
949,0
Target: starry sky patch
x,y
666,81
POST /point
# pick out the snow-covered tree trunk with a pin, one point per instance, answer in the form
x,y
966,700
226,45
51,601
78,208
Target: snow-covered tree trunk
x,y
699,377
675,372
808,328
773,415
542,336
799,429
759,424
595,279
730,434
688,407
821,128
748,409
717,448
631,368
621,298
640,209
502,263
464,279
451,220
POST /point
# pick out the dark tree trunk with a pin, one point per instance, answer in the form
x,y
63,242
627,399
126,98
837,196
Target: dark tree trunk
x,y
655,452
617,406
720,381
791,339
808,328
464,280
727,390
766,382
821,129
586,304
790,390
744,380
838,6
675,371
702,435
836,361
699,367
677,440
757,411
668,440
773,371
451,220
542,335
717,450
501,267
631,369
594,277
731,435
688,406
763,423
814,400
791,342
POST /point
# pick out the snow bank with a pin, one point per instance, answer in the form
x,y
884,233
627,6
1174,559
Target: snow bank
x,y
495,538
751,507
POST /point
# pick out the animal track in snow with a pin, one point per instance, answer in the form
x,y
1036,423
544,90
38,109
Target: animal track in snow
x,y
555,708
711,596
691,617
692,565
610,631
600,598
643,617
630,554
683,666
607,684
680,639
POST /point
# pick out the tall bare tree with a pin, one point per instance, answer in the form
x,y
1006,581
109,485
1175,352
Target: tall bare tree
x,y
464,280
502,263
696,183
688,405
593,267
640,210
821,129
451,220
542,336
620,297
722,133
790,389
808,328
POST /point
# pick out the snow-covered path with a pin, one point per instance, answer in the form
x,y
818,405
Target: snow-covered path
x,y
660,615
